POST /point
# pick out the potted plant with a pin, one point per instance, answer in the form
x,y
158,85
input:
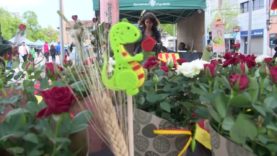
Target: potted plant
x,y
240,96
38,118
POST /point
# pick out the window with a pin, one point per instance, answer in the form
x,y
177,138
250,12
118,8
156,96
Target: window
x,y
257,4
244,7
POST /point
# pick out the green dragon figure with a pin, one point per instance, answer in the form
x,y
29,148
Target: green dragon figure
x,y
128,74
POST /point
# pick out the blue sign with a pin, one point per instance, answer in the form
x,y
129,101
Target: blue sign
x,y
254,33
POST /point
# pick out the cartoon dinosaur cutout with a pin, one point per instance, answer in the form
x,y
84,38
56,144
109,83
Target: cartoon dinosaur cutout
x,y
128,74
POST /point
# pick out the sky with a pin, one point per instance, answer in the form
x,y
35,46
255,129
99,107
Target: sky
x,y
46,10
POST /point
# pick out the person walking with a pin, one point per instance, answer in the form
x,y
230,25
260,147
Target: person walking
x,y
23,52
53,53
45,50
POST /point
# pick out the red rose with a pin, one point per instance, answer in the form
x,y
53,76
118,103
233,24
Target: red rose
x,y
52,70
148,44
57,99
273,74
181,61
250,61
242,67
22,27
240,80
268,60
211,69
164,68
150,62
74,17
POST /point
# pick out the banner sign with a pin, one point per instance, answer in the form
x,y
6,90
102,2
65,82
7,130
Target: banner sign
x,y
218,36
109,11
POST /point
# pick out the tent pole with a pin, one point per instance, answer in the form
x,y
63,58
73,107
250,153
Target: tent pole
x,y
250,8
61,34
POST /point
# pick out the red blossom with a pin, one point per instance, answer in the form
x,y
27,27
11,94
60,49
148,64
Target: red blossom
x,y
37,88
74,17
52,70
242,67
273,74
268,60
181,61
211,69
164,68
240,80
151,62
57,99
22,27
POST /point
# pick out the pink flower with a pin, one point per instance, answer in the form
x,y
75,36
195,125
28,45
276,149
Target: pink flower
x,y
239,80
37,87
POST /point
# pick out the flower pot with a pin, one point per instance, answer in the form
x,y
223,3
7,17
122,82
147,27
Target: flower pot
x,y
222,146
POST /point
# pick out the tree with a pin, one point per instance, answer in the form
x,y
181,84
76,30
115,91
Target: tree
x,y
35,31
9,24
49,34
33,27
168,28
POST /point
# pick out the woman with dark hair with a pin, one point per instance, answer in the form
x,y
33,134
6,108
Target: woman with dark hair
x,y
53,53
149,28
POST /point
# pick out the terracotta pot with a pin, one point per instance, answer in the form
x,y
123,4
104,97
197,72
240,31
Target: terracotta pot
x,y
222,146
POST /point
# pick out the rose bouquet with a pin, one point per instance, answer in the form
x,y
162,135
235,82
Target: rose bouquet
x,y
240,97
38,116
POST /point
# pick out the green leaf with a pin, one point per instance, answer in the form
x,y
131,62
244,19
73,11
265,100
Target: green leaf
x,y
80,121
165,106
270,103
243,129
79,86
154,98
253,89
228,123
17,111
260,109
16,150
31,137
241,100
220,104
12,100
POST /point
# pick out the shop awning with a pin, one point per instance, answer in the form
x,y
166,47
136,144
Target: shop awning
x,y
168,11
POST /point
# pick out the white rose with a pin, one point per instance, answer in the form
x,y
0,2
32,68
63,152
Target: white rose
x,y
191,69
261,58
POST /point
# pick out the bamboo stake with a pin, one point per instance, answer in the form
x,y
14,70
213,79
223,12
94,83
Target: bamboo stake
x,y
130,124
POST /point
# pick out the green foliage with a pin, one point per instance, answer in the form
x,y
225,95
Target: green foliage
x,y
168,28
9,23
247,117
22,133
167,95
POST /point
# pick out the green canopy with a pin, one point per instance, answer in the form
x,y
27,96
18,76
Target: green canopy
x,y
168,11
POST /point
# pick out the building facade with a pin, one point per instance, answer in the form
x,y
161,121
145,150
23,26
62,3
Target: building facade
x,y
259,28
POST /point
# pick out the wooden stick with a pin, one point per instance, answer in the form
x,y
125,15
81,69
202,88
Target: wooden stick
x,y
130,125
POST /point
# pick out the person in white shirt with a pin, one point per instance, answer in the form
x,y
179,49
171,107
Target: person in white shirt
x,y
23,52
